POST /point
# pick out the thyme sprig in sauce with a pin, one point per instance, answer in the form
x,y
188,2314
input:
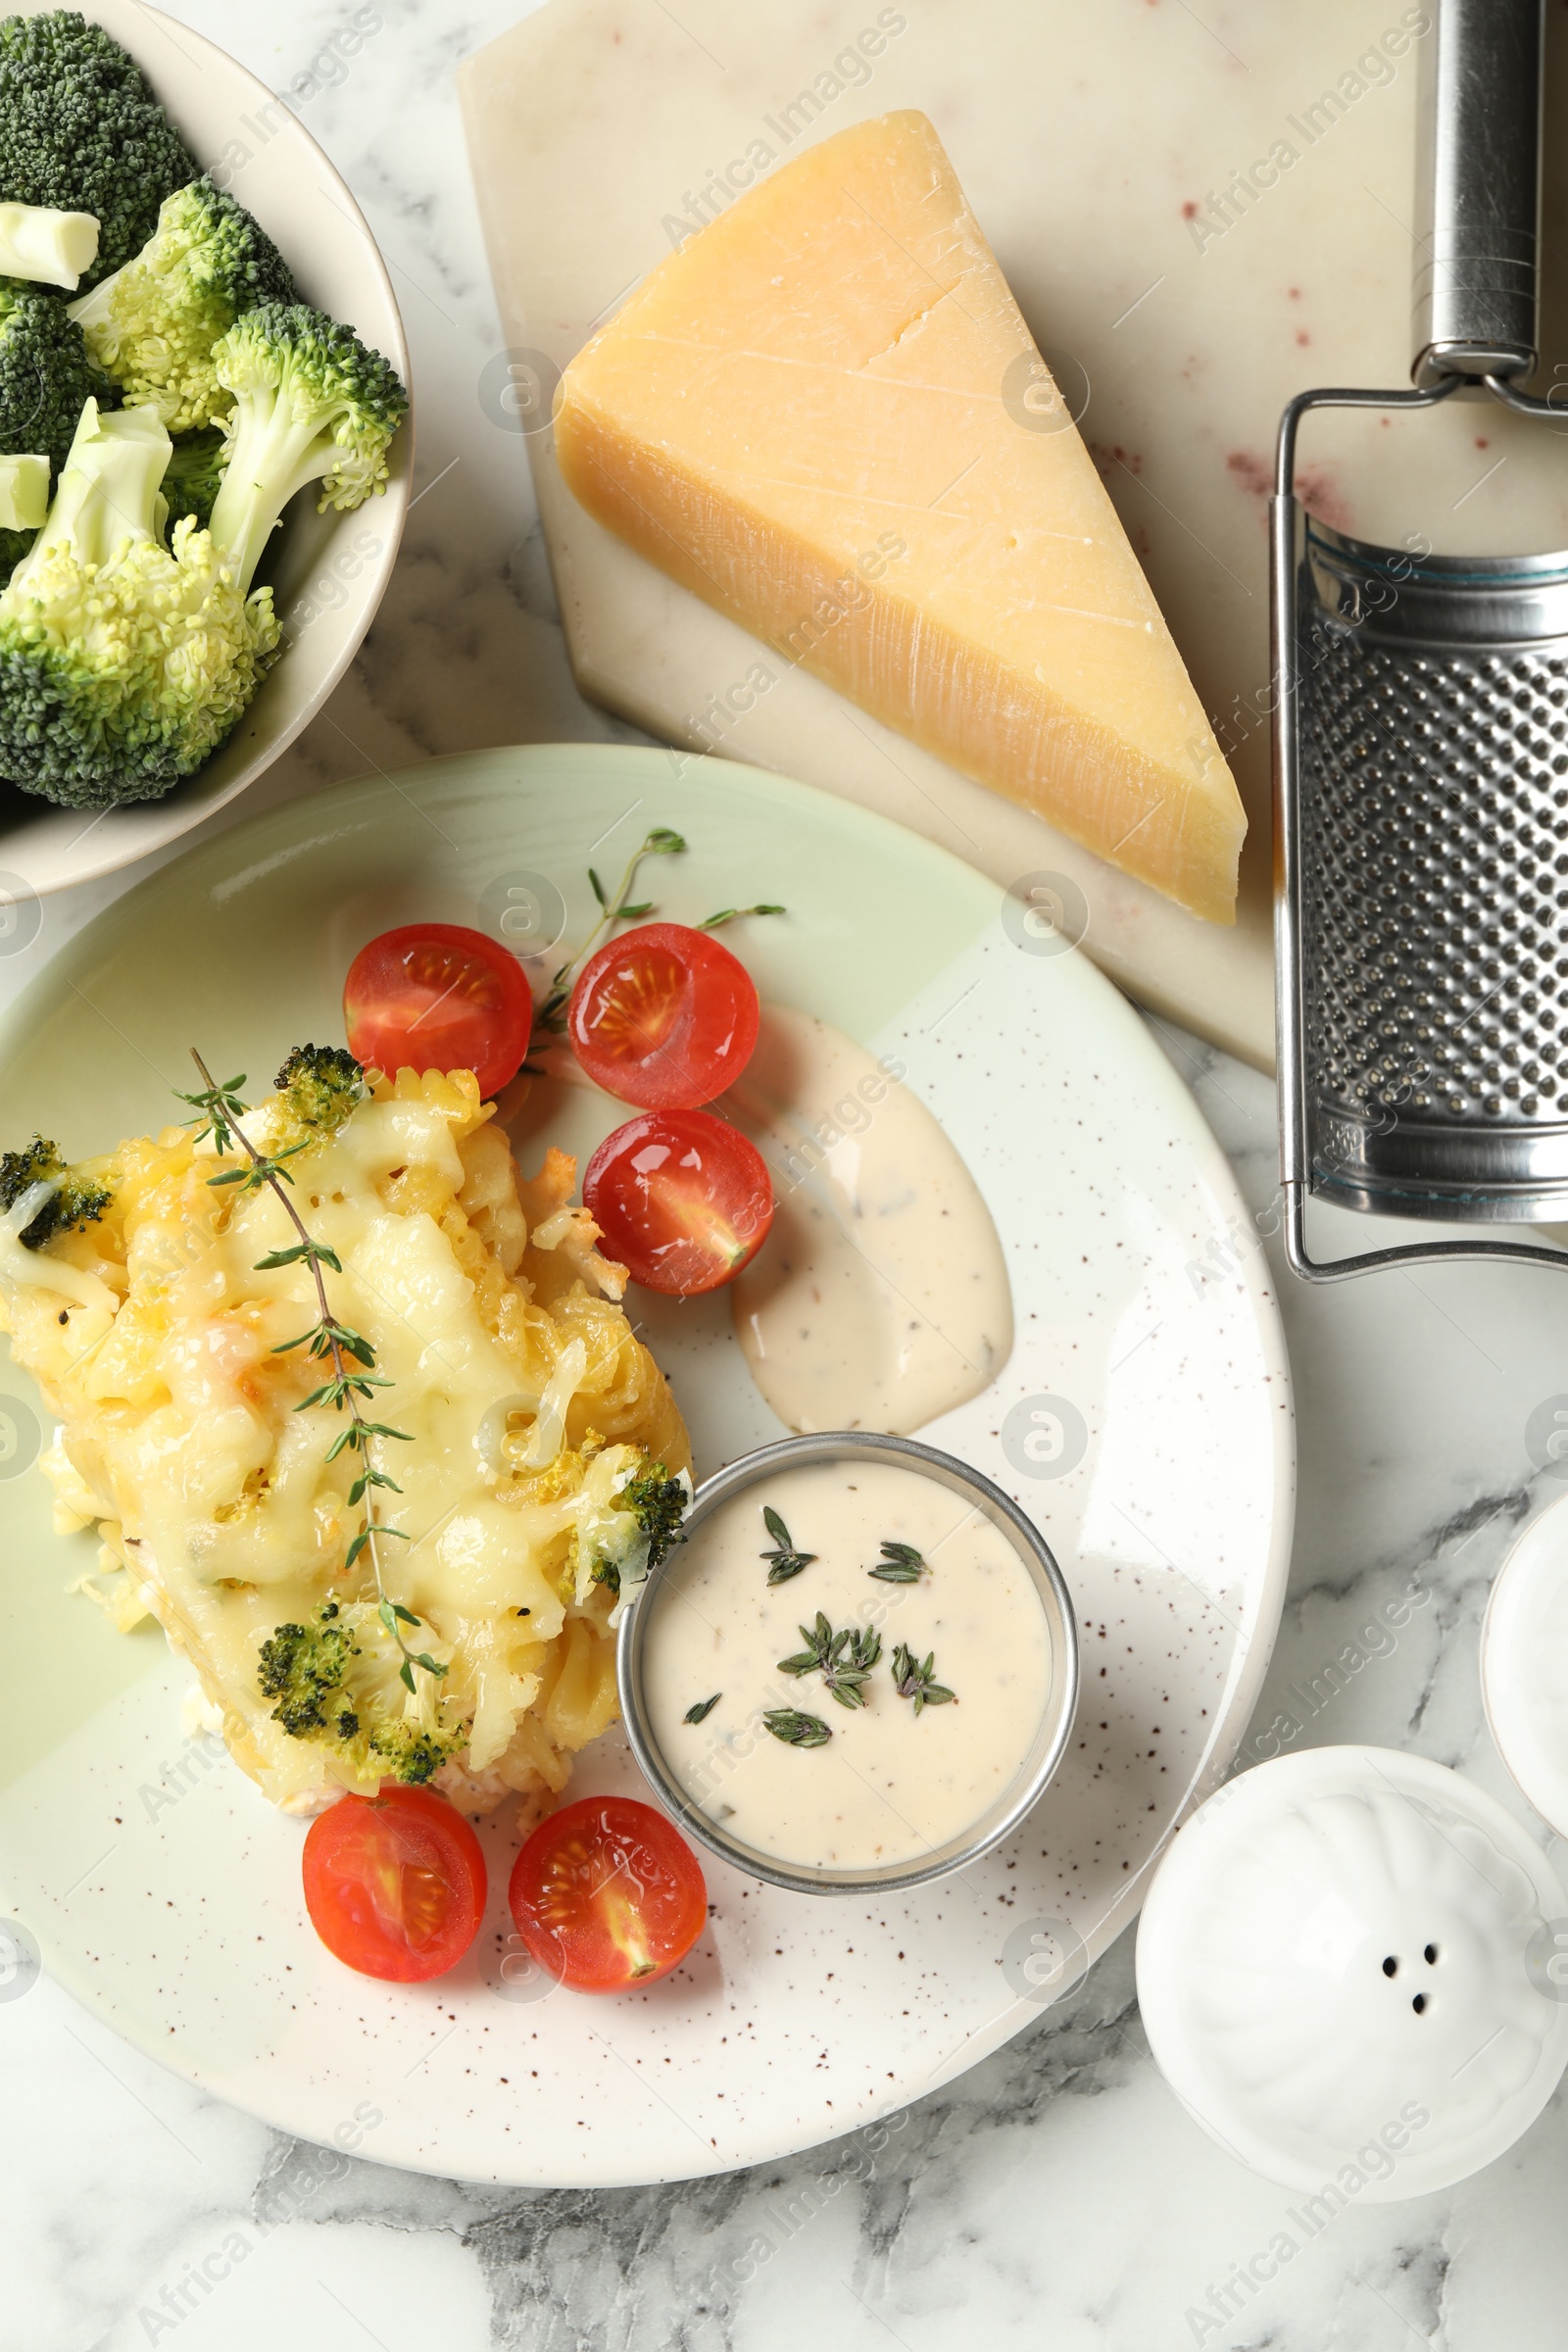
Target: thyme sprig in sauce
x,y
901,1564
703,1709
843,1659
913,1679
796,1730
220,1110
787,1561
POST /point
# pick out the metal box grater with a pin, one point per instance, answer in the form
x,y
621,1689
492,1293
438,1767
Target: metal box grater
x,y
1421,756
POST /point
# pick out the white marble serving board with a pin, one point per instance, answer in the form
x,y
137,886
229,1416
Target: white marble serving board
x,y
1087,134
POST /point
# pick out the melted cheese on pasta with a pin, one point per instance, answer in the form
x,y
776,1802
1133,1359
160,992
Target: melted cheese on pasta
x,y
511,1367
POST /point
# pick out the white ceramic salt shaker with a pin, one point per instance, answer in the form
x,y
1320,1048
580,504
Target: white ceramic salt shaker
x,y
1349,1967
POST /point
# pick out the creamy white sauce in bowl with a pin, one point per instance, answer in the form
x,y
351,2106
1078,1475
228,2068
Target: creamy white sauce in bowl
x,y
877,1716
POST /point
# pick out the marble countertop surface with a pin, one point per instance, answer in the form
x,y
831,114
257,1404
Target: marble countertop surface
x,y
1057,2194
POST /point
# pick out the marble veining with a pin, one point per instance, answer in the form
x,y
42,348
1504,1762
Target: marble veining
x,y
1056,2193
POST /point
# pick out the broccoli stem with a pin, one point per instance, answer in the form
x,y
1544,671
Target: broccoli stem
x,y
47,247
273,456
23,493
108,494
94,310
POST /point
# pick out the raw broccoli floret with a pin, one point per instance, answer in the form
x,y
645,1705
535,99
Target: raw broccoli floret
x,y
76,1199
311,404
153,325
195,469
322,1085
123,664
326,1691
45,380
81,130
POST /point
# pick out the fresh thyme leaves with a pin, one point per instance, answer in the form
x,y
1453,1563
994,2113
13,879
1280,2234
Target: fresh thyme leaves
x,y
703,1709
843,1659
914,1681
220,1110
615,907
796,1730
787,1561
901,1564
735,915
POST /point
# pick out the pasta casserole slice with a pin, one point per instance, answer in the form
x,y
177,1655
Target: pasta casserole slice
x,y
538,1457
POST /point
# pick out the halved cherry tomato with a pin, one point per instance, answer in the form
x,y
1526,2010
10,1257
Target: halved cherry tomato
x,y
395,1885
607,1895
682,1199
664,1017
439,996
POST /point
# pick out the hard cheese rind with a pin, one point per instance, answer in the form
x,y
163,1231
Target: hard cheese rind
x,y
826,416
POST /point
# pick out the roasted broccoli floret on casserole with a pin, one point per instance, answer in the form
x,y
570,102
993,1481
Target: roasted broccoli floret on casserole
x,y
195,470
304,1667
322,1087
81,130
75,1198
619,1544
660,1503
310,404
329,1688
124,663
154,324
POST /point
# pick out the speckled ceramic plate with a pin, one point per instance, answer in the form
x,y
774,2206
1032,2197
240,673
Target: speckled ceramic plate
x,y
1144,1419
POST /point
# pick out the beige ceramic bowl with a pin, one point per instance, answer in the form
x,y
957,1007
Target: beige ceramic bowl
x,y
329,570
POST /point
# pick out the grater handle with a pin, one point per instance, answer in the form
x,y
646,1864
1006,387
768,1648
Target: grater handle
x,y
1479,183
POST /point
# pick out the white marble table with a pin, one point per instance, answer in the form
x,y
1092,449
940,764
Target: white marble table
x,y
1057,2195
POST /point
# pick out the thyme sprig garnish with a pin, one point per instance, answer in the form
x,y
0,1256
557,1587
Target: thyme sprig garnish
x,y
843,1659
703,1709
796,1730
220,1110
617,906
736,914
912,1680
787,1561
901,1564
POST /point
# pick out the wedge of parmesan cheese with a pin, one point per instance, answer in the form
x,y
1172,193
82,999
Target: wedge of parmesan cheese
x,y
826,416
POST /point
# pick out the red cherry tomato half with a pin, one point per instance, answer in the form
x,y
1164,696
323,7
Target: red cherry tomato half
x,y
664,1017
607,1895
395,1885
437,996
682,1199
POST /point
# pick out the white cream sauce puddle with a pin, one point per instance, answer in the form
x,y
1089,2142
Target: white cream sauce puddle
x,y
888,1785
880,1299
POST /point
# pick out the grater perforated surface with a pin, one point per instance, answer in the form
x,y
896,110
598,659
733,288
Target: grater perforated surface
x,y
1432,710
1435,820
